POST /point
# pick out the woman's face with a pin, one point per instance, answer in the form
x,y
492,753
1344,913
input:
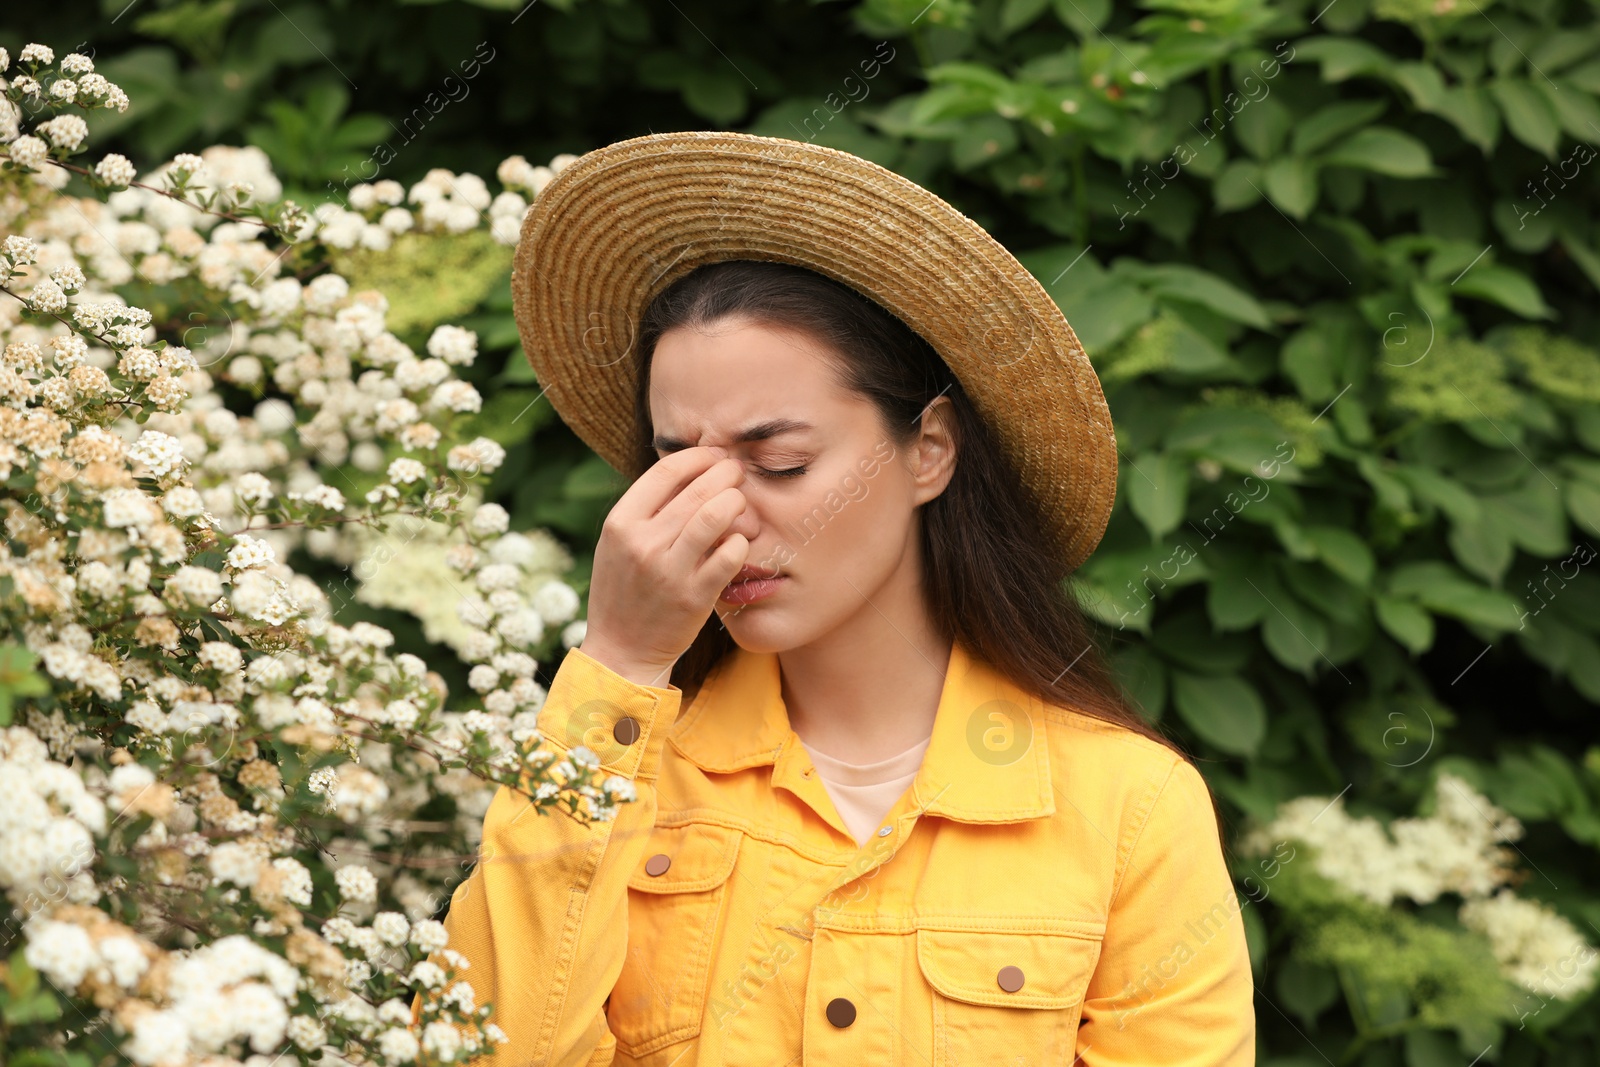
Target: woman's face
x,y
831,496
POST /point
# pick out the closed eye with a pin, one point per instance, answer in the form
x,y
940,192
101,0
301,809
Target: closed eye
x,y
790,472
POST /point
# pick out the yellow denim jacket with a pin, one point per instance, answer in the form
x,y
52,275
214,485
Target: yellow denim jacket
x,y
1049,891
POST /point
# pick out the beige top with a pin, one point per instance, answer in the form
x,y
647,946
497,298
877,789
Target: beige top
x,y
863,793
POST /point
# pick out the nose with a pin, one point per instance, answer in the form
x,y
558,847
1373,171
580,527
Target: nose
x,y
748,523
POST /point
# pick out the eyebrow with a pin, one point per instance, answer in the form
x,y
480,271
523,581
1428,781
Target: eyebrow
x,y
761,431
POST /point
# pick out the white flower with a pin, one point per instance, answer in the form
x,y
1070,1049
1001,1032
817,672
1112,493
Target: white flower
x,y
159,1037
306,1033
482,678
454,345
250,552
405,471
399,1046
457,396
481,456
573,633
490,519
65,131
47,297
296,885
123,958
236,863
1536,946
356,884
61,951
197,585
116,171
429,935
219,656
183,502
253,489
28,151
442,1039
391,927
21,250
162,453
427,974
555,601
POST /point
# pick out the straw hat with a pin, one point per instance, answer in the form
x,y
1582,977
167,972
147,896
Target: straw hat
x,y
623,222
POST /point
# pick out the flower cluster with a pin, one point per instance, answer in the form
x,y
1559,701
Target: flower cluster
x,y
1460,849
231,810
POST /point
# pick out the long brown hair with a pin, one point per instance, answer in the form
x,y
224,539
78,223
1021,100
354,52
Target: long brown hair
x,y
991,581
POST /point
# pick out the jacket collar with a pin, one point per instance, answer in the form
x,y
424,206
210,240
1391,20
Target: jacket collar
x,y
987,759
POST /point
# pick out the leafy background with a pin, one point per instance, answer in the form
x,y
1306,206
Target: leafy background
x,y
1336,263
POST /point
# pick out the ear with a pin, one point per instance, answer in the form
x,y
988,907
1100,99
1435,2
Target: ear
x,y
932,453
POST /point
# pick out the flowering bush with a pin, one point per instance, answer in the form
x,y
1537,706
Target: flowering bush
x,y
229,818
1355,899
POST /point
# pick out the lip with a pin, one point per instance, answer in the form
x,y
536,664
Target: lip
x,y
750,590
748,572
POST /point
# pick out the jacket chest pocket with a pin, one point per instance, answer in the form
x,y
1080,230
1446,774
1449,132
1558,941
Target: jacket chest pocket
x,y
675,903
1005,997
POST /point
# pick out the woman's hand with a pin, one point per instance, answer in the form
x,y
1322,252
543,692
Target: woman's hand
x,y
664,556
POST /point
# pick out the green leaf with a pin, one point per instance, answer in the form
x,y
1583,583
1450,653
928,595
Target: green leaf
x,y
1015,14
1431,1048
1511,289
1483,546
1306,989
1291,183
1187,639
1343,57
1576,110
1472,110
1238,186
1533,516
1158,489
1406,622
1445,493
1083,17
593,479
1143,678
1383,150
1262,128
1317,357
1344,553
1232,604
1528,114
18,679
982,139
1225,712
1176,281
1583,504
1333,121
1562,48
1444,590
715,94
1295,635
1423,82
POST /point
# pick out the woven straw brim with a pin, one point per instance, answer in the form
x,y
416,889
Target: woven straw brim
x,y
623,222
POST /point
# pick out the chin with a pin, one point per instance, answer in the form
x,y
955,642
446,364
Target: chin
x,y
755,634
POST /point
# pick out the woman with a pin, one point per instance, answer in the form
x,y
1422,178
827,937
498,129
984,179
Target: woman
x,y
891,808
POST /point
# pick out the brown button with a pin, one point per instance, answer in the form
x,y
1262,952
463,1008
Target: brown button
x,y
659,863
627,730
841,1012
1011,979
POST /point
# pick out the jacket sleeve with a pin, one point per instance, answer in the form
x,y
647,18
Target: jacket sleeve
x,y
543,918
1173,985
